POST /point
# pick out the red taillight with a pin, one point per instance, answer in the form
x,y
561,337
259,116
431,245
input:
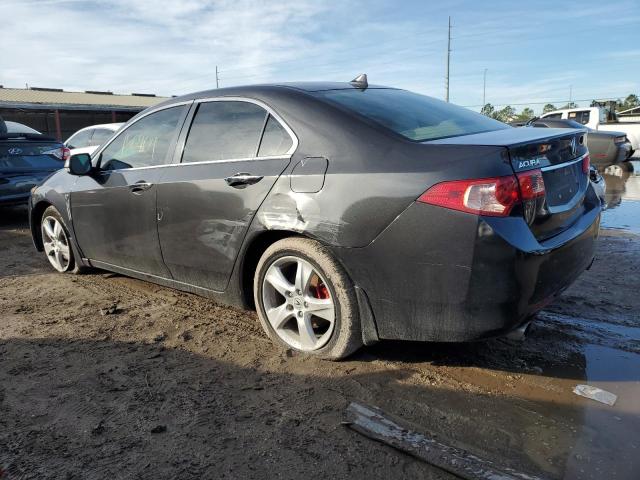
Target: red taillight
x,y
531,184
585,164
62,153
487,196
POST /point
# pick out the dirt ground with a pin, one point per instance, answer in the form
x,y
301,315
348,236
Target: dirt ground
x,y
171,385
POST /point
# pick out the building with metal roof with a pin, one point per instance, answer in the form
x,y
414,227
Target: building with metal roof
x,y
630,115
60,113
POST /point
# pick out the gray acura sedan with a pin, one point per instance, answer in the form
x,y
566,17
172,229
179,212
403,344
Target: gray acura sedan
x,y
344,213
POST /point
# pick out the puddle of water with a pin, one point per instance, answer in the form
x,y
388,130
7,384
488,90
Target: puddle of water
x,y
608,444
623,197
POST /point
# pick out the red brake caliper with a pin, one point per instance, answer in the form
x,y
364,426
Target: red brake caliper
x,y
321,291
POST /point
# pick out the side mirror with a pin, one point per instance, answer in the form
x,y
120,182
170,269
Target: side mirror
x,y
80,164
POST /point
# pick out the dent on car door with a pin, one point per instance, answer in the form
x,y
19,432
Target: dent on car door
x,y
233,154
114,208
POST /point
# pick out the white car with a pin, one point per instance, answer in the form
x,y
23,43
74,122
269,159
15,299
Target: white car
x,y
88,139
596,119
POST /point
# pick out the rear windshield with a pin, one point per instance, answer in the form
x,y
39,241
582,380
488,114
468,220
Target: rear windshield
x,y
416,117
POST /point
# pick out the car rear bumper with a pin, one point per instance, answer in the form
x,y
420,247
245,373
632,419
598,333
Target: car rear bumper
x,y
15,187
441,275
14,199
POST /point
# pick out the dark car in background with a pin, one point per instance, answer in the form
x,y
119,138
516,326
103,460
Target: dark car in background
x,y
344,213
26,158
605,148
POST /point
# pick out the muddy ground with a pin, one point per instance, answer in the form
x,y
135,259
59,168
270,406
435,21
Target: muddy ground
x,y
171,385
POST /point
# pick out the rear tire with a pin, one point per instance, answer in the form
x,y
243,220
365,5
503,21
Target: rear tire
x,y
56,242
306,301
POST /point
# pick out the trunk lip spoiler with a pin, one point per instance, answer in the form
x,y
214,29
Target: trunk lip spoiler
x,y
562,165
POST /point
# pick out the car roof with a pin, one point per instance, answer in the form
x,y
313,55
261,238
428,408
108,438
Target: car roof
x,y
107,126
265,88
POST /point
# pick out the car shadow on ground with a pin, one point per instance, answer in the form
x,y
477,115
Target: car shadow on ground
x,y
14,217
78,408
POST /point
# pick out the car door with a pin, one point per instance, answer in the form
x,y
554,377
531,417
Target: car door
x,y
233,153
114,208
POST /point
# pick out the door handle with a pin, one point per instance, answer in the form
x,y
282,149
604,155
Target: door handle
x,y
139,187
241,180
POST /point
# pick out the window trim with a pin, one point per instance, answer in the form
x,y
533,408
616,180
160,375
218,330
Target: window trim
x,y
270,112
98,154
177,154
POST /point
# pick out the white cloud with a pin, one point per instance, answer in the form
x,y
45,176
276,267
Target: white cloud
x,y
172,47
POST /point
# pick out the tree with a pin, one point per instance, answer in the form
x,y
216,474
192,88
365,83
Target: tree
x,y
630,102
525,115
505,114
488,110
549,108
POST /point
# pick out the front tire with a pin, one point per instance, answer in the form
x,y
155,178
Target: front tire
x,y
306,301
56,242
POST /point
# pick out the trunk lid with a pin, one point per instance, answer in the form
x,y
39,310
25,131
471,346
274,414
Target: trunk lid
x,y
25,162
559,154
29,155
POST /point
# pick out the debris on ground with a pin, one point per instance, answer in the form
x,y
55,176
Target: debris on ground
x,y
595,393
109,309
159,429
160,337
373,423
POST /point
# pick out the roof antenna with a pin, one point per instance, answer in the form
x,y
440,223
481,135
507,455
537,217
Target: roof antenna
x,y
360,81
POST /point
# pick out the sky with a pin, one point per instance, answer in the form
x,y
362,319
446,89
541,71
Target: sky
x,y
533,52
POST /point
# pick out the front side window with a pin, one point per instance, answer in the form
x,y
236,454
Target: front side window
x,y
416,117
553,115
80,139
145,143
224,130
275,139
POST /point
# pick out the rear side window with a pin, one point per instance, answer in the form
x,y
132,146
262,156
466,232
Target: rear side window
x,y
416,117
224,130
275,140
580,117
145,143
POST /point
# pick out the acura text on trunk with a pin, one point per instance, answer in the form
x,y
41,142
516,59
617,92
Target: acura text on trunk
x,y
344,213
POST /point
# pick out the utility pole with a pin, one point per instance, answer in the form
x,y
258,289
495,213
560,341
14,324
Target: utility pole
x,y
570,93
446,96
217,79
484,88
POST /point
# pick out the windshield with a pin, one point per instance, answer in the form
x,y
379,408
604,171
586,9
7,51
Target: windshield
x,y
416,117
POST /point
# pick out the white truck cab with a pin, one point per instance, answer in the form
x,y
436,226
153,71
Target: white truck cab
x,y
596,119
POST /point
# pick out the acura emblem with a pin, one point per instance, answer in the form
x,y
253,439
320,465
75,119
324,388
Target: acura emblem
x,y
15,151
573,146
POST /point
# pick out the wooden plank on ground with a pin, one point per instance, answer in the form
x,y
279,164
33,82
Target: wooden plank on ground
x,y
373,423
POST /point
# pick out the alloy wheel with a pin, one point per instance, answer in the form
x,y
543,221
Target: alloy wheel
x,y
298,303
56,244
